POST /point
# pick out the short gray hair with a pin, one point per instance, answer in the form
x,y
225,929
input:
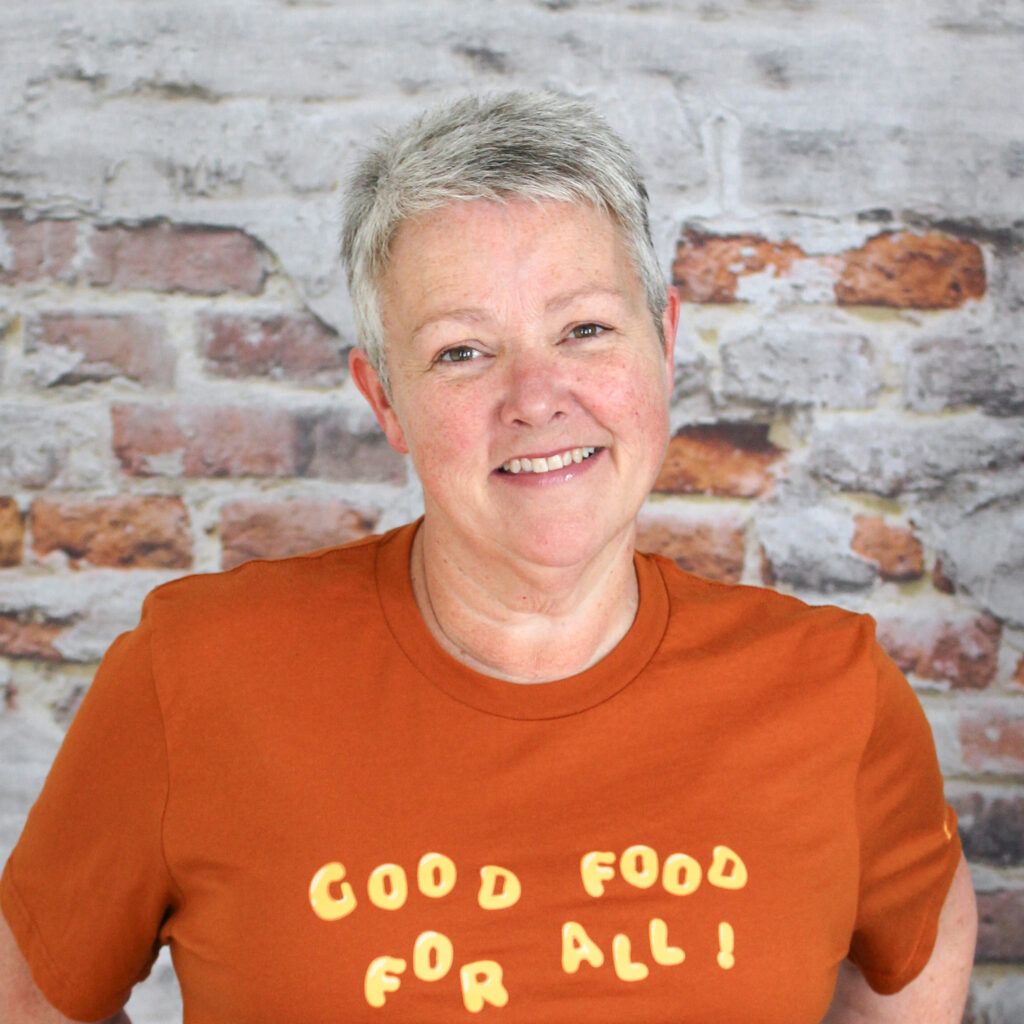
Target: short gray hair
x,y
517,145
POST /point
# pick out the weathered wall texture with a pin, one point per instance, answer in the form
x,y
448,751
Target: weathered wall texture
x,y
839,193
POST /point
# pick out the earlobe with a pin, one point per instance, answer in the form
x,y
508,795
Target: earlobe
x,y
368,382
670,324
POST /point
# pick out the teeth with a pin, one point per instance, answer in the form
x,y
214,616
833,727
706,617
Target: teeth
x,y
551,462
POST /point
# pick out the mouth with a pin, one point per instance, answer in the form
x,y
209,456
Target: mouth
x,y
545,465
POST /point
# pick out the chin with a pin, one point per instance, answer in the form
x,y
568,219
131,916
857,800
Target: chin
x,y
562,547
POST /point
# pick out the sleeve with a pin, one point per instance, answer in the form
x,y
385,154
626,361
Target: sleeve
x,y
909,846
86,889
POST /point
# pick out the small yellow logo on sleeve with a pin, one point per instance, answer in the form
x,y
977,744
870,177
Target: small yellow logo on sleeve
x,y
945,825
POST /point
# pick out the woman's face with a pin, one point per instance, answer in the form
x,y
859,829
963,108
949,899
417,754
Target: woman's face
x,y
528,382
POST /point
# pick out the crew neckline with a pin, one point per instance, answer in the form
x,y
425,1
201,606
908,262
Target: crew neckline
x,y
556,699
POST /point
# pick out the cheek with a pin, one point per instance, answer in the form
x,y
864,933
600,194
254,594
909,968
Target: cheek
x,y
633,395
445,432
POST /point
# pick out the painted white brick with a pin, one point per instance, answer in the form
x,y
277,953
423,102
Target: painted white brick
x,y
800,365
101,605
979,368
983,551
808,545
805,121
28,742
888,454
54,446
996,998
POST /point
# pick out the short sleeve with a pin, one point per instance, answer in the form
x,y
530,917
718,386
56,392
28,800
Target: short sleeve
x,y
909,847
86,888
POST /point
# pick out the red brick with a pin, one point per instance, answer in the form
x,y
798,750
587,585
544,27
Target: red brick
x,y
962,652
897,269
40,249
126,531
295,347
336,453
727,459
12,532
904,270
170,258
707,267
252,529
204,441
22,636
713,550
111,345
1000,926
895,550
1018,674
992,739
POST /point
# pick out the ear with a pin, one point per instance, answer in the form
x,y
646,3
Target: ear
x,y
669,325
368,382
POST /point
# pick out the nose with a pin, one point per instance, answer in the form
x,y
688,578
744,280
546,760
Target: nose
x,y
536,389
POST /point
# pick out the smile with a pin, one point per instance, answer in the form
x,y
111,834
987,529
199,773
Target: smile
x,y
552,462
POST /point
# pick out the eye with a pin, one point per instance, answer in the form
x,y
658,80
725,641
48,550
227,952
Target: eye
x,y
587,331
458,354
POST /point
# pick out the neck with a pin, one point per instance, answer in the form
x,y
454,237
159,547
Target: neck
x,y
523,623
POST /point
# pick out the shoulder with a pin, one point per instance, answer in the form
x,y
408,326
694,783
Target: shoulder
x,y
300,586
731,615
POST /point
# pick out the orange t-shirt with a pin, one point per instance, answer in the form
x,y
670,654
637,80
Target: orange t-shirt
x,y
280,774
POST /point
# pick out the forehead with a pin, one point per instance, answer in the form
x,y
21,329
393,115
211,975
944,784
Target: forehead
x,y
517,249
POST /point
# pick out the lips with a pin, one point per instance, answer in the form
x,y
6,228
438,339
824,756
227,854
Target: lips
x,y
551,462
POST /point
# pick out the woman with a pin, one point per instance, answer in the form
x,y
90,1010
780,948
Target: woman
x,y
495,761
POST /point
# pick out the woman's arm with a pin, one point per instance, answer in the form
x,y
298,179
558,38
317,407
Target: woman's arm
x,y
21,1002
938,994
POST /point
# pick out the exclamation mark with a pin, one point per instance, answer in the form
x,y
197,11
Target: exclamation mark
x,y
726,941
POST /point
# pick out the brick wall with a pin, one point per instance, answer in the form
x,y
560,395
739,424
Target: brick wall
x,y
838,192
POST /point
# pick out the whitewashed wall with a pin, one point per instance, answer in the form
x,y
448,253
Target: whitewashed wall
x,y
813,124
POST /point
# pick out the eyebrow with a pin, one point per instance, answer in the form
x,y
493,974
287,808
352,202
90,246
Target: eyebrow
x,y
559,302
477,315
465,315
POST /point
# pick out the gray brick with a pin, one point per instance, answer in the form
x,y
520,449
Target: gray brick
x,y
808,546
331,450
100,606
28,744
982,548
997,997
889,454
868,165
991,826
44,446
1006,274
976,369
802,366
974,17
